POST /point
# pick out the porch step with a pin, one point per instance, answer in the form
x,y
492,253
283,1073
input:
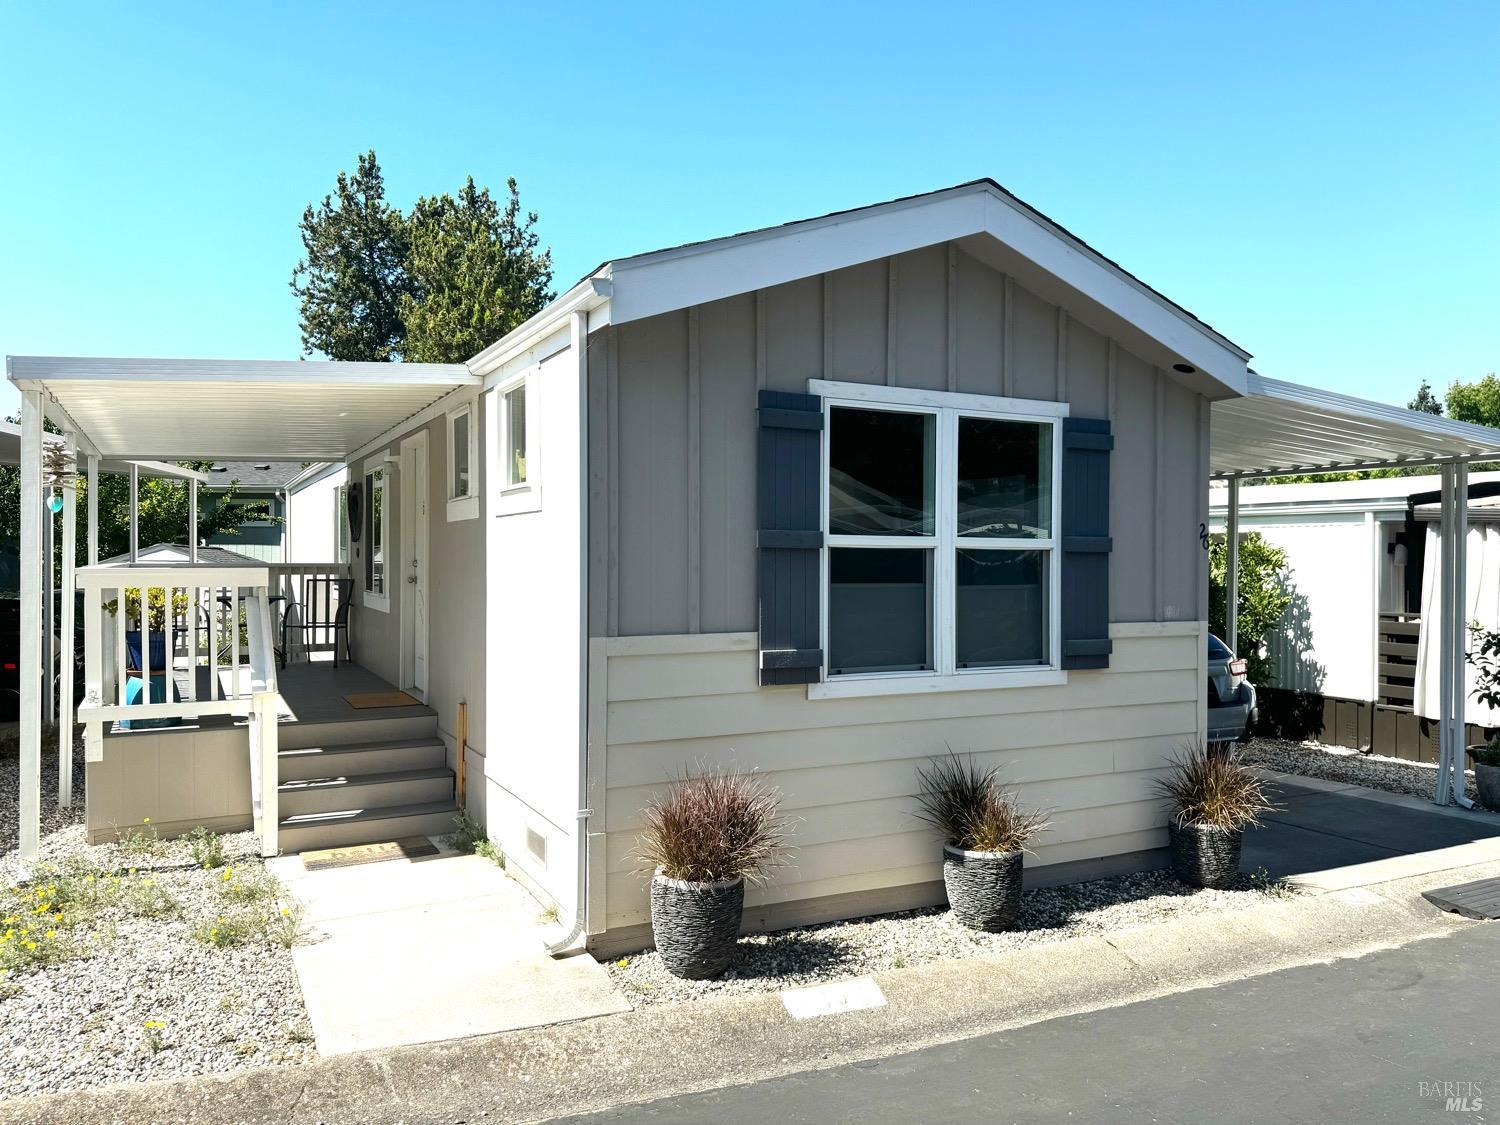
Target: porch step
x,y
309,763
401,724
340,829
368,792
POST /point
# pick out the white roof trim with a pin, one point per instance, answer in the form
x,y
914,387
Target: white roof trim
x,y
23,369
650,284
1286,428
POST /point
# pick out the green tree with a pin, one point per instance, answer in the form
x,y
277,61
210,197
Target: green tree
x,y
1263,598
1477,402
354,276
475,273
1426,402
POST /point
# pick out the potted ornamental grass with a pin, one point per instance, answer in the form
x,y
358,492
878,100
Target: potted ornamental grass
x,y
985,831
1214,798
704,837
1486,760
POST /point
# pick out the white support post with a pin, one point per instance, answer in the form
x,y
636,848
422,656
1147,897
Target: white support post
x,y
135,513
1232,569
49,614
93,532
193,521
1459,638
1444,626
30,655
65,714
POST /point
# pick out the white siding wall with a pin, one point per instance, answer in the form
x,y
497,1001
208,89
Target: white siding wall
x,y
311,520
535,604
1326,642
1090,750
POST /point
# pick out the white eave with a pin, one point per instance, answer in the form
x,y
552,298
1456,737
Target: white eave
x,y
985,221
1281,428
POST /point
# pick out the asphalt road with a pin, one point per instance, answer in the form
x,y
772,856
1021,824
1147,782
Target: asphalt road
x,y
1368,1040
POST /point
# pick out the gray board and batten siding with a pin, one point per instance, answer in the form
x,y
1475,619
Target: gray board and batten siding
x,y
673,607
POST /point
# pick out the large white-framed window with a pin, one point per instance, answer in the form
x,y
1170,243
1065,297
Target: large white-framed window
x,y
941,564
377,535
463,463
515,479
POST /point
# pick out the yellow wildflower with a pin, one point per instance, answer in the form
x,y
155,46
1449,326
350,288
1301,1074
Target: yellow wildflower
x,y
51,935
146,821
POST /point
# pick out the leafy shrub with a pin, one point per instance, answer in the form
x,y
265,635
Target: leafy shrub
x,y
713,826
972,809
255,886
1263,596
491,851
469,834
207,848
1214,789
141,843
145,897
231,930
1488,754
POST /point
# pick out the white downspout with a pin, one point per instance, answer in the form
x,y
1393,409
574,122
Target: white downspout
x,y
135,512
193,521
580,337
66,704
1454,777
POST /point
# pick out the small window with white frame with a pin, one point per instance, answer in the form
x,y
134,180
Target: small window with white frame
x,y
463,461
515,464
941,566
377,537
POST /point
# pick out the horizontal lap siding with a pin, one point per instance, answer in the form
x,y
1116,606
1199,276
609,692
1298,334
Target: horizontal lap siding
x,y
1090,750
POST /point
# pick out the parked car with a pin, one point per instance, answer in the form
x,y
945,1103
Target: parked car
x,y
10,655
1231,696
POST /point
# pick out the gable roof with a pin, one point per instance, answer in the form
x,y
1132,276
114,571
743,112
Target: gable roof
x,y
981,217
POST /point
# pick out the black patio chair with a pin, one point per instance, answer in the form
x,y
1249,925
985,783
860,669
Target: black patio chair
x,y
321,613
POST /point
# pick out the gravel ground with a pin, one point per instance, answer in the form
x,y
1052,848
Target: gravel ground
x,y
772,962
1333,763
83,1022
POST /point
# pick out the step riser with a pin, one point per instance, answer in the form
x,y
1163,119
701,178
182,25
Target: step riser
x,y
316,837
373,795
299,736
308,767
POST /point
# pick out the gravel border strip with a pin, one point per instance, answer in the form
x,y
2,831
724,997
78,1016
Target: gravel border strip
x,y
1333,763
82,1023
837,950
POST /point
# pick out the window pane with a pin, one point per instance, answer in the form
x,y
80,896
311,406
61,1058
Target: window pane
x,y
1004,479
879,610
1001,608
375,551
461,455
515,429
880,472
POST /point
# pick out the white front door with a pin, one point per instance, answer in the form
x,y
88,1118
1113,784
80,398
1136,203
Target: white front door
x,y
414,564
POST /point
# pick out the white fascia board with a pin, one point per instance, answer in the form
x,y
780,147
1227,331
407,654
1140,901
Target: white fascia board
x,y
1461,439
312,475
591,295
167,469
672,279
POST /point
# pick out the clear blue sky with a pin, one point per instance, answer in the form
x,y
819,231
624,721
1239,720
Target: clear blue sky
x,y
1317,181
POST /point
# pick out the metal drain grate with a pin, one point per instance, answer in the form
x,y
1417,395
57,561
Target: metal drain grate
x,y
1473,900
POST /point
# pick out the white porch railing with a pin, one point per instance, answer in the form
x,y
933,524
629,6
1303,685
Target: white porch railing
x,y
215,625
310,593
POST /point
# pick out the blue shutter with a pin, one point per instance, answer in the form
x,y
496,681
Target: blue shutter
x,y
1085,542
790,451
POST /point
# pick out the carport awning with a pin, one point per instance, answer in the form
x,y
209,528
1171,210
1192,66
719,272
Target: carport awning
x,y
278,410
1288,428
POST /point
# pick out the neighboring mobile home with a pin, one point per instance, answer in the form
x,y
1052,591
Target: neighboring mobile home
x,y
1355,653
821,501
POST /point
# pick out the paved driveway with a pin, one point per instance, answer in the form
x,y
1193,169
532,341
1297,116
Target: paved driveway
x,y
1321,826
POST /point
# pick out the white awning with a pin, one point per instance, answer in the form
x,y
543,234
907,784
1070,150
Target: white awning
x,y
279,410
1283,428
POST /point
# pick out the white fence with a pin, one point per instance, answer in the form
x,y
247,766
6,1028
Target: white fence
x,y
203,633
311,601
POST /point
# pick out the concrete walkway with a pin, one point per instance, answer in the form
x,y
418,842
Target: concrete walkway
x,y
415,951
1327,835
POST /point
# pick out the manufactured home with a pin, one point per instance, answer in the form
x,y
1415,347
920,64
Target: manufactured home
x,y
1355,655
819,501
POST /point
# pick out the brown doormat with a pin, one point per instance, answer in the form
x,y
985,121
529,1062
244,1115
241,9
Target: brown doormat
x,y
364,700
410,847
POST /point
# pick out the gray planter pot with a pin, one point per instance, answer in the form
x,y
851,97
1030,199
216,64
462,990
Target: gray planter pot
x,y
1203,856
696,925
984,888
1487,781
